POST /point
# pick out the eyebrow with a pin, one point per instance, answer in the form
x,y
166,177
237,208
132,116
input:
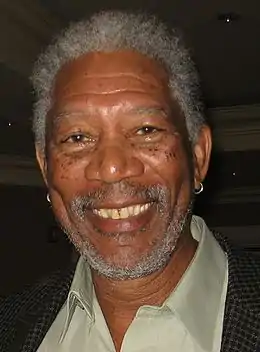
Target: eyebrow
x,y
67,114
152,110
140,110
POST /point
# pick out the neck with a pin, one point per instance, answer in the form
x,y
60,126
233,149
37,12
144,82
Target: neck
x,y
129,295
120,300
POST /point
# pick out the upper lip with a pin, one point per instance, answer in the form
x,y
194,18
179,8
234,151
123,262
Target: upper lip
x,y
120,204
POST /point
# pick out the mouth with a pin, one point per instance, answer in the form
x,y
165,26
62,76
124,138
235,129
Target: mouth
x,y
122,213
131,218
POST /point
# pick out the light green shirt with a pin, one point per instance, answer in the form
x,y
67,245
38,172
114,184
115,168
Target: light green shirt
x,y
190,320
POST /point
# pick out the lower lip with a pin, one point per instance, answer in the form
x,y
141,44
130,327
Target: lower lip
x,y
130,224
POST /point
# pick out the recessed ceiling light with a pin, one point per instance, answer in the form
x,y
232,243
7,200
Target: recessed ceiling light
x,y
228,17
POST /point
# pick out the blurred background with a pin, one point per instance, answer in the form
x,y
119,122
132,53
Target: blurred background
x,y
224,38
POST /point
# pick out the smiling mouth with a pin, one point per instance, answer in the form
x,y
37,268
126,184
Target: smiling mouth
x,y
122,213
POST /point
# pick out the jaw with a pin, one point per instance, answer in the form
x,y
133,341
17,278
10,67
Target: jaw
x,y
125,254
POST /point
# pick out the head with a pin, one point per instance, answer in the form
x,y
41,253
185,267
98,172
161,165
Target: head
x,y
121,139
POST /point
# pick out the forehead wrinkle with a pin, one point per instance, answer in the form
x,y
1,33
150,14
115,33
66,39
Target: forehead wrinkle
x,y
145,78
109,92
142,76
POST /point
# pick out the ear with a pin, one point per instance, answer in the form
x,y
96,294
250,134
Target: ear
x,y
41,159
201,154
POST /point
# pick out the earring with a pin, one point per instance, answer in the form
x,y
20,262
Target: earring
x,y
48,198
199,190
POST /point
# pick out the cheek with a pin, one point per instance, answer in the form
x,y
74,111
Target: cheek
x,y
170,162
65,179
170,166
65,174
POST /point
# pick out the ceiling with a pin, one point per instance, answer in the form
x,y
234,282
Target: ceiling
x,y
227,55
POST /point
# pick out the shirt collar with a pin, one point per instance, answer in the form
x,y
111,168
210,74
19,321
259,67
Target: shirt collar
x,y
196,301
80,294
198,297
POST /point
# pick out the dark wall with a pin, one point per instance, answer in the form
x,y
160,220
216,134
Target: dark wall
x,y
30,245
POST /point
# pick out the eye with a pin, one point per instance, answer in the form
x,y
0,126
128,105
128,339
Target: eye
x,y
79,138
148,130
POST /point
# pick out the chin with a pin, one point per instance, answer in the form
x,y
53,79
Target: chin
x,y
127,263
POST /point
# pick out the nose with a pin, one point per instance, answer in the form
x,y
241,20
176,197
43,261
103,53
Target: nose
x,y
113,163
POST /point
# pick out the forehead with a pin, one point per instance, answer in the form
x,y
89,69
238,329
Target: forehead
x,y
113,63
107,73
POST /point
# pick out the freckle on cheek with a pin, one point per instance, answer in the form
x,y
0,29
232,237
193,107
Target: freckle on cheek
x,y
65,166
153,150
69,163
170,155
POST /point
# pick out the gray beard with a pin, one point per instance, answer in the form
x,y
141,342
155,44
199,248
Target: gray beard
x,y
154,260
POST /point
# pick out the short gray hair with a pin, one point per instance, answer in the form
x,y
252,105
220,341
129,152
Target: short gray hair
x,y
113,31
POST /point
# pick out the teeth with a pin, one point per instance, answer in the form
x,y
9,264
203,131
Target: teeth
x,y
122,213
137,209
115,214
103,213
130,211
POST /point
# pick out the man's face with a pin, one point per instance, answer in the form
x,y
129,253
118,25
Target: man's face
x,y
117,162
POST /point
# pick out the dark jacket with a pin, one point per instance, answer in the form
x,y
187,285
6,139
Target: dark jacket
x,y
25,318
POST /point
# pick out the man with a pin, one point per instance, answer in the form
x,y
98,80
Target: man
x,y
123,147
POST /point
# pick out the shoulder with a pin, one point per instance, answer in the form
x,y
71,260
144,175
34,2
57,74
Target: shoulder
x,y
243,262
243,273
33,297
246,267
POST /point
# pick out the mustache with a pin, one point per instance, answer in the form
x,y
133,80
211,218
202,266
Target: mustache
x,y
91,200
